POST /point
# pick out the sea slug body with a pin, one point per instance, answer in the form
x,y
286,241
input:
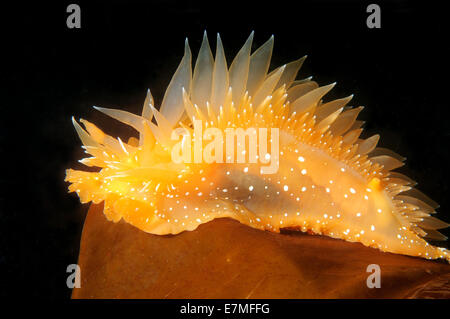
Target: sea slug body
x,y
327,180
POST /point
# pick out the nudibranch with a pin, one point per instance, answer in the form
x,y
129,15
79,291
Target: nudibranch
x,y
321,177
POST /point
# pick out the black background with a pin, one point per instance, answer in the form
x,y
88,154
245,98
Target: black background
x,y
399,72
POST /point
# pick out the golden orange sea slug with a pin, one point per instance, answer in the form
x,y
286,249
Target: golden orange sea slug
x,y
258,147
